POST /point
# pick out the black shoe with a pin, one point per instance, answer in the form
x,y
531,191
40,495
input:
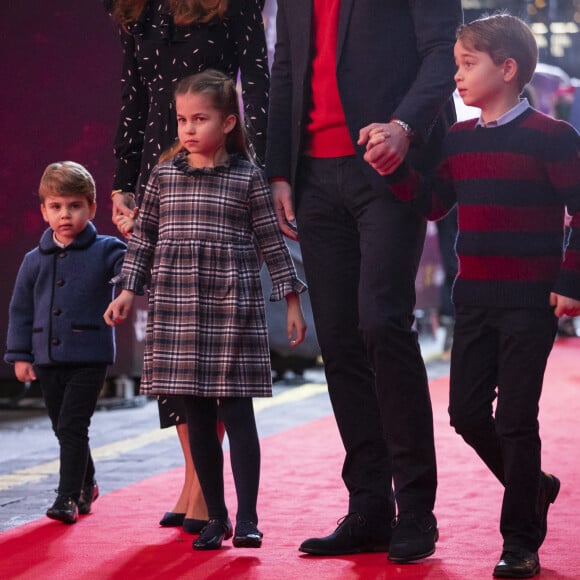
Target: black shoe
x,y
193,526
414,537
549,489
247,535
517,563
172,520
352,536
89,494
64,510
213,534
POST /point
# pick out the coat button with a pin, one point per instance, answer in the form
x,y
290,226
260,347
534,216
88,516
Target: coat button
x,y
57,311
62,255
60,282
55,341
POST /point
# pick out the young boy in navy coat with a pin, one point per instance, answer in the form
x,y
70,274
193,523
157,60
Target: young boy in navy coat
x,y
56,332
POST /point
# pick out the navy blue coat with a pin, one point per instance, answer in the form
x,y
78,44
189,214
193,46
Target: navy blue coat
x,y
60,295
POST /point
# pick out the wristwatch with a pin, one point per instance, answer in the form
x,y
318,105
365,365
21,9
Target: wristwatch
x,y
405,126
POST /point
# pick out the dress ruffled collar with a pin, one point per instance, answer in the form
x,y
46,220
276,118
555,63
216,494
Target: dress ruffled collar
x,y
181,163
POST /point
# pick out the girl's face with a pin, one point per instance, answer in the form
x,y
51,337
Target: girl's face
x,y
480,82
67,215
202,129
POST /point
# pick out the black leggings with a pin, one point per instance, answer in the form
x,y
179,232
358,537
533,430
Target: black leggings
x,y
237,414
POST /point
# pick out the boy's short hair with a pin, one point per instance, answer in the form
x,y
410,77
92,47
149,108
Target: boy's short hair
x,y
66,178
503,36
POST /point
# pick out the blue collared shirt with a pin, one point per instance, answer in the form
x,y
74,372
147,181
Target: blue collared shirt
x,y
507,117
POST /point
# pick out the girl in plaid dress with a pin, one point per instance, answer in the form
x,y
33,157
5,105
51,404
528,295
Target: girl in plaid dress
x,y
205,216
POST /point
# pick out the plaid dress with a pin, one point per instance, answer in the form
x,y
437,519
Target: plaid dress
x,y
197,233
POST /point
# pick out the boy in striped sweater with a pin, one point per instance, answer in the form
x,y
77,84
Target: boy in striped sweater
x,y
513,173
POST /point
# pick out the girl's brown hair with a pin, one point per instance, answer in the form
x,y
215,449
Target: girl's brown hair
x,y
184,11
221,89
503,36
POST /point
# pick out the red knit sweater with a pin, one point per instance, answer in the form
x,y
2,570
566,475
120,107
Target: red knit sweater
x,y
512,184
327,134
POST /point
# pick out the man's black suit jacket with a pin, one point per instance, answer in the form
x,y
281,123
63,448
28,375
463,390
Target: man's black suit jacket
x,y
394,59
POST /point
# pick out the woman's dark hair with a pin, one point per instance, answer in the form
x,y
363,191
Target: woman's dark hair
x,y
184,11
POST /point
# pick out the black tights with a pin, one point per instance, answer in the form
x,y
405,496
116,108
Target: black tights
x,y
237,414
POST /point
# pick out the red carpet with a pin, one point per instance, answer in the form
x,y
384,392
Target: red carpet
x,y
302,495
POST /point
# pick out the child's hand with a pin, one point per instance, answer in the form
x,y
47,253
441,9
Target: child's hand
x,y
295,320
126,224
564,306
24,371
119,309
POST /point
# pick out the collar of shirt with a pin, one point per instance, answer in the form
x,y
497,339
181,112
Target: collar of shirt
x,y
57,243
506,117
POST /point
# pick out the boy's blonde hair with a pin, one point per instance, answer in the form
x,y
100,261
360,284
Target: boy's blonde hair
x,y
65,178
503,36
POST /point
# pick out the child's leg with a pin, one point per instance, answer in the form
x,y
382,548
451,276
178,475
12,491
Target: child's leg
x,y
237,413
206,451
473,381
71,395
527,337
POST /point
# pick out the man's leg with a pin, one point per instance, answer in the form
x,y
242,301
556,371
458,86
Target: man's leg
x,y
330,249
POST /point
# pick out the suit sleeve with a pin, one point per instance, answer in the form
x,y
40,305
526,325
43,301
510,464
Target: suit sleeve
x,y
435,23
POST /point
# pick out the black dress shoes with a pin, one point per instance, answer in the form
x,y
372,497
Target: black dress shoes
x,y
64,510
172,520
193,526
89,494
213,534
517,563
354,535
549,489
414,537
247,535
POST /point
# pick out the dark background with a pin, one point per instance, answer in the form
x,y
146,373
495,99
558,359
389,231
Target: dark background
x,y
59,99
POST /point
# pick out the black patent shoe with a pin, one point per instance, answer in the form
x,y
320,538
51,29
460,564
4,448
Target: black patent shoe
x,y
549,489
172,520
89,494
213,534
354,535
247,535
517,563
193,526
64,510
414,537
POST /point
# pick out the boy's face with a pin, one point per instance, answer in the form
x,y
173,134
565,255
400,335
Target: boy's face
x,y
67,216
480,82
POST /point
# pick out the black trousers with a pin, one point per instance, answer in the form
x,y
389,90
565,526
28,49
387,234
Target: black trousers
x,y
70,394
499,356
237,415
361,251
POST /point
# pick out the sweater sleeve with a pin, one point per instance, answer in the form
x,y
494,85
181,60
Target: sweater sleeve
x,y
563,167
432,196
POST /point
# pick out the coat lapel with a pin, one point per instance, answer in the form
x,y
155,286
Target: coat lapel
x,y
343,20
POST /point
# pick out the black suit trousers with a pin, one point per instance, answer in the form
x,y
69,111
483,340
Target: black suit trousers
x,y
361,251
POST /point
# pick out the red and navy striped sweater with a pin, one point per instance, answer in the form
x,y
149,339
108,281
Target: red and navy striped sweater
x,y
512,184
